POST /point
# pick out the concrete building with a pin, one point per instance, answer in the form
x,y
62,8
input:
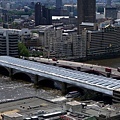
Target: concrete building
x,y
60,42
110,12
79,47
58,3
42,15
108,3
31,108
53,41
66,20
86,11
91,110
9,42
12,116
87,26
46,16
118,14
103,41
35,108
67,44
94,40
30,39
38,13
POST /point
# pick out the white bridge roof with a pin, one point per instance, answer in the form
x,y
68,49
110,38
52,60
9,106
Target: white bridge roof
x,y
81,79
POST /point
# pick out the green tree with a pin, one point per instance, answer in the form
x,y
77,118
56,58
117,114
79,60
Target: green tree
x,y
23,51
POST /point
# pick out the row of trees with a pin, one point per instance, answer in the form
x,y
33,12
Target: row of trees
x,y
23,51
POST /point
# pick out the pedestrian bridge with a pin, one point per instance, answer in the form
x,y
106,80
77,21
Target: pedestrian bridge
x,y
94,82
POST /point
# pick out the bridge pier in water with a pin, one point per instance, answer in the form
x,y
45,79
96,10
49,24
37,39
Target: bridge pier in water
x,y
64,87
116,96
11,73
36,79
108,74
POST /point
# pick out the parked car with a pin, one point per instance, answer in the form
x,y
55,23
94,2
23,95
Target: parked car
x,y
54,59
72,94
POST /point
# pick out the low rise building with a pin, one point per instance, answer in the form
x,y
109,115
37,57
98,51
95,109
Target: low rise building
x,y
12,116
40,109
88,110
31,107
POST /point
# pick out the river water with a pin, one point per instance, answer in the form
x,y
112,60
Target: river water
x,y
114,62
11,90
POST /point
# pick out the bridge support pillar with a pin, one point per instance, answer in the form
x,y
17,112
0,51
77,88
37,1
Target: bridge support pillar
x,y
11,74
36,79
64,88
79,68
108,74
116,96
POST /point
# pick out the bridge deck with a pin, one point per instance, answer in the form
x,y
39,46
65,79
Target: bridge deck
x,y
81,79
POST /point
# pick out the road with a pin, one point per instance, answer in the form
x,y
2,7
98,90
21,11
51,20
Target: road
x,y
82,66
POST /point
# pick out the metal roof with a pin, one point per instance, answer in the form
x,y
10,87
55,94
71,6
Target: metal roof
x,y
81,79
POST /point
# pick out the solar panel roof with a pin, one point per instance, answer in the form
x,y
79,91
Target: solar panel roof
x,y
90,81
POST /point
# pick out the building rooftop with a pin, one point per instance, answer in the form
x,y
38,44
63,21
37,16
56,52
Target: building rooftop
x,y
42,28
38,107
97,109
12,114
87,24
72,103
30,106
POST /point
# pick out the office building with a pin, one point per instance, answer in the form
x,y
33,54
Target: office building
x,y
79,46
108,3
86,10
58,9
38,13
9,42
58,3
46,16
62,44
5,16
87,26
110,12
103,41
42,15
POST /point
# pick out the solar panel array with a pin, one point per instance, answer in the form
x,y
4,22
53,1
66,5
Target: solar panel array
x,y
62,74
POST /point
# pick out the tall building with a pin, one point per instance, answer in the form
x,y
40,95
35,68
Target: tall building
x,y
9,42
42,15
86,10
5,16
108,3
46,16
38,13
58,3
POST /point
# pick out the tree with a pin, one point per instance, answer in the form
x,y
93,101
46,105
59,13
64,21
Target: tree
x,y
23,51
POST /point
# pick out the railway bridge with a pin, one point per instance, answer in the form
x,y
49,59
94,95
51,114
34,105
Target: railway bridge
x,y
38,71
